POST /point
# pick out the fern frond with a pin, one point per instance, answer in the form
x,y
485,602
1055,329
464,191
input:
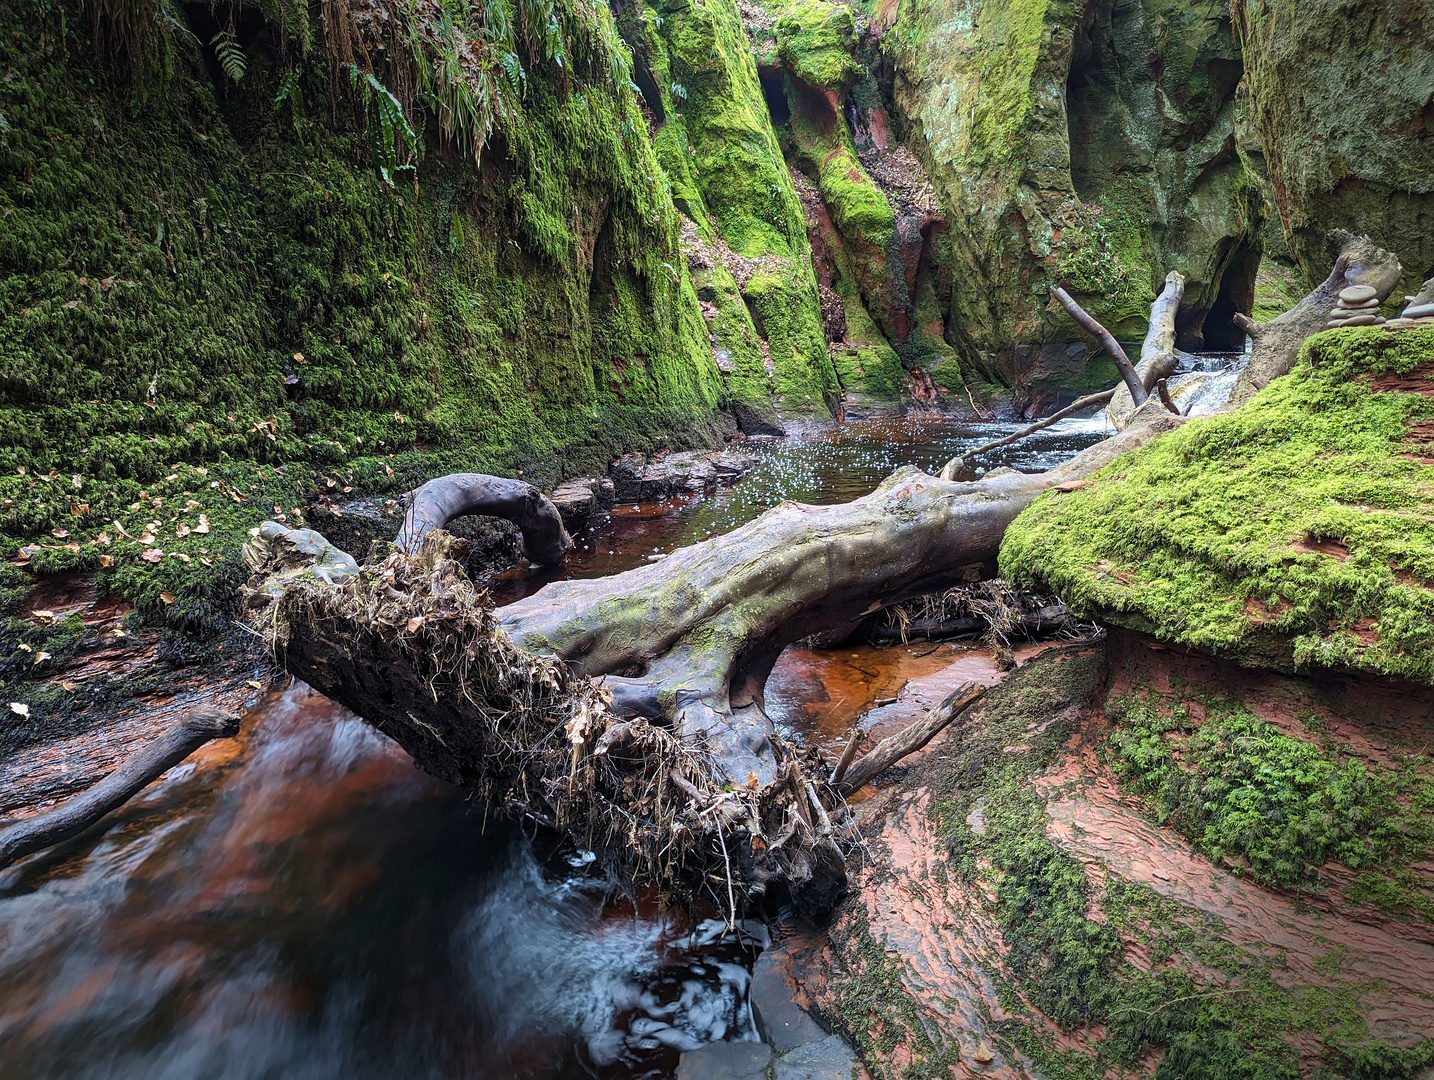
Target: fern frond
x,y
230,56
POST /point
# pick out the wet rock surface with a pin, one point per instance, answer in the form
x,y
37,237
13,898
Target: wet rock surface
x,y
910,968
637,478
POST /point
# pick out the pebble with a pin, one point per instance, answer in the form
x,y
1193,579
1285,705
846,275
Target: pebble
x,y
1357,294
1357,320
1366,306
1418,311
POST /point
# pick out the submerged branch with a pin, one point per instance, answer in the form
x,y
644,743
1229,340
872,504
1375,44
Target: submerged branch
x,y
909,740
198,726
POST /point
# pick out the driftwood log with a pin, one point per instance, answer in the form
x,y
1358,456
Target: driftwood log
x,y
1357,261
1157,362
630,709
198,726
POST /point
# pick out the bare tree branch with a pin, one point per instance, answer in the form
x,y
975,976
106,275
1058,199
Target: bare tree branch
x,y
199,726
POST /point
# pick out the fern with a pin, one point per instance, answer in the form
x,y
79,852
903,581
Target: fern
x,y
390,133
230,55
292,94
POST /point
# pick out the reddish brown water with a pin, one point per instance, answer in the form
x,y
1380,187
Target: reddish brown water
x,y
301,903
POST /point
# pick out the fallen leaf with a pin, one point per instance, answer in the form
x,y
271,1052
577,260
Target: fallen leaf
x,y
201,470
181,529
118,632
167,596
78,481
103,539
107,283
203,526
256,684
25,647
171,476
19,710
41,657
68,687
71,304
60,533
1072,485
145,537
72,546
152,555
207,562
79,509
414,623
106,560
43,613
191,505
181,556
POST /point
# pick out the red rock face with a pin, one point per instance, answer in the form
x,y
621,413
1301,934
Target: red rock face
x,y
940,937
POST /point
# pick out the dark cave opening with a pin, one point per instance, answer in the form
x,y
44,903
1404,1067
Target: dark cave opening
x,y
775,91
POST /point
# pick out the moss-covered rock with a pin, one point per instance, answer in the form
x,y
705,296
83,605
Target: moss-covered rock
x,y
1090,143
1340,95
214,309
1296,529
714,119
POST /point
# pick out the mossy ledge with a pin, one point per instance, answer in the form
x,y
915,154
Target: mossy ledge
x,y
1295,531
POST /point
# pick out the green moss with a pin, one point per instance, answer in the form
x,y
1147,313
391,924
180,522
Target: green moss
x,y
1211,535
1278,287
1106,260
788,318
168,263
747,197
870,371
816,40
1276,807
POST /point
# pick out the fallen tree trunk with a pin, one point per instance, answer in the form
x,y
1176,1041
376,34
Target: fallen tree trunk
x,y
198,726
909,740
630,709
1277,343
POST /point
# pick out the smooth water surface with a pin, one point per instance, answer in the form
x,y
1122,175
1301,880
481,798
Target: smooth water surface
x,y
303,903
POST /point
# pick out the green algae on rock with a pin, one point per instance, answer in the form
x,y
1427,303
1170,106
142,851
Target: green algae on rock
x,y
1296,528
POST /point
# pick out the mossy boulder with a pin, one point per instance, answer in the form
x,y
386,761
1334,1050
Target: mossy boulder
x,y
1296,531
1086,143
816,41
1341,96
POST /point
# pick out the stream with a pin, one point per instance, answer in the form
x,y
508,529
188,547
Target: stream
x,y
301,902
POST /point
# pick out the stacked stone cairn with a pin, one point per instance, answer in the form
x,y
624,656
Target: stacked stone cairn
x,y
1358,306
1419,309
